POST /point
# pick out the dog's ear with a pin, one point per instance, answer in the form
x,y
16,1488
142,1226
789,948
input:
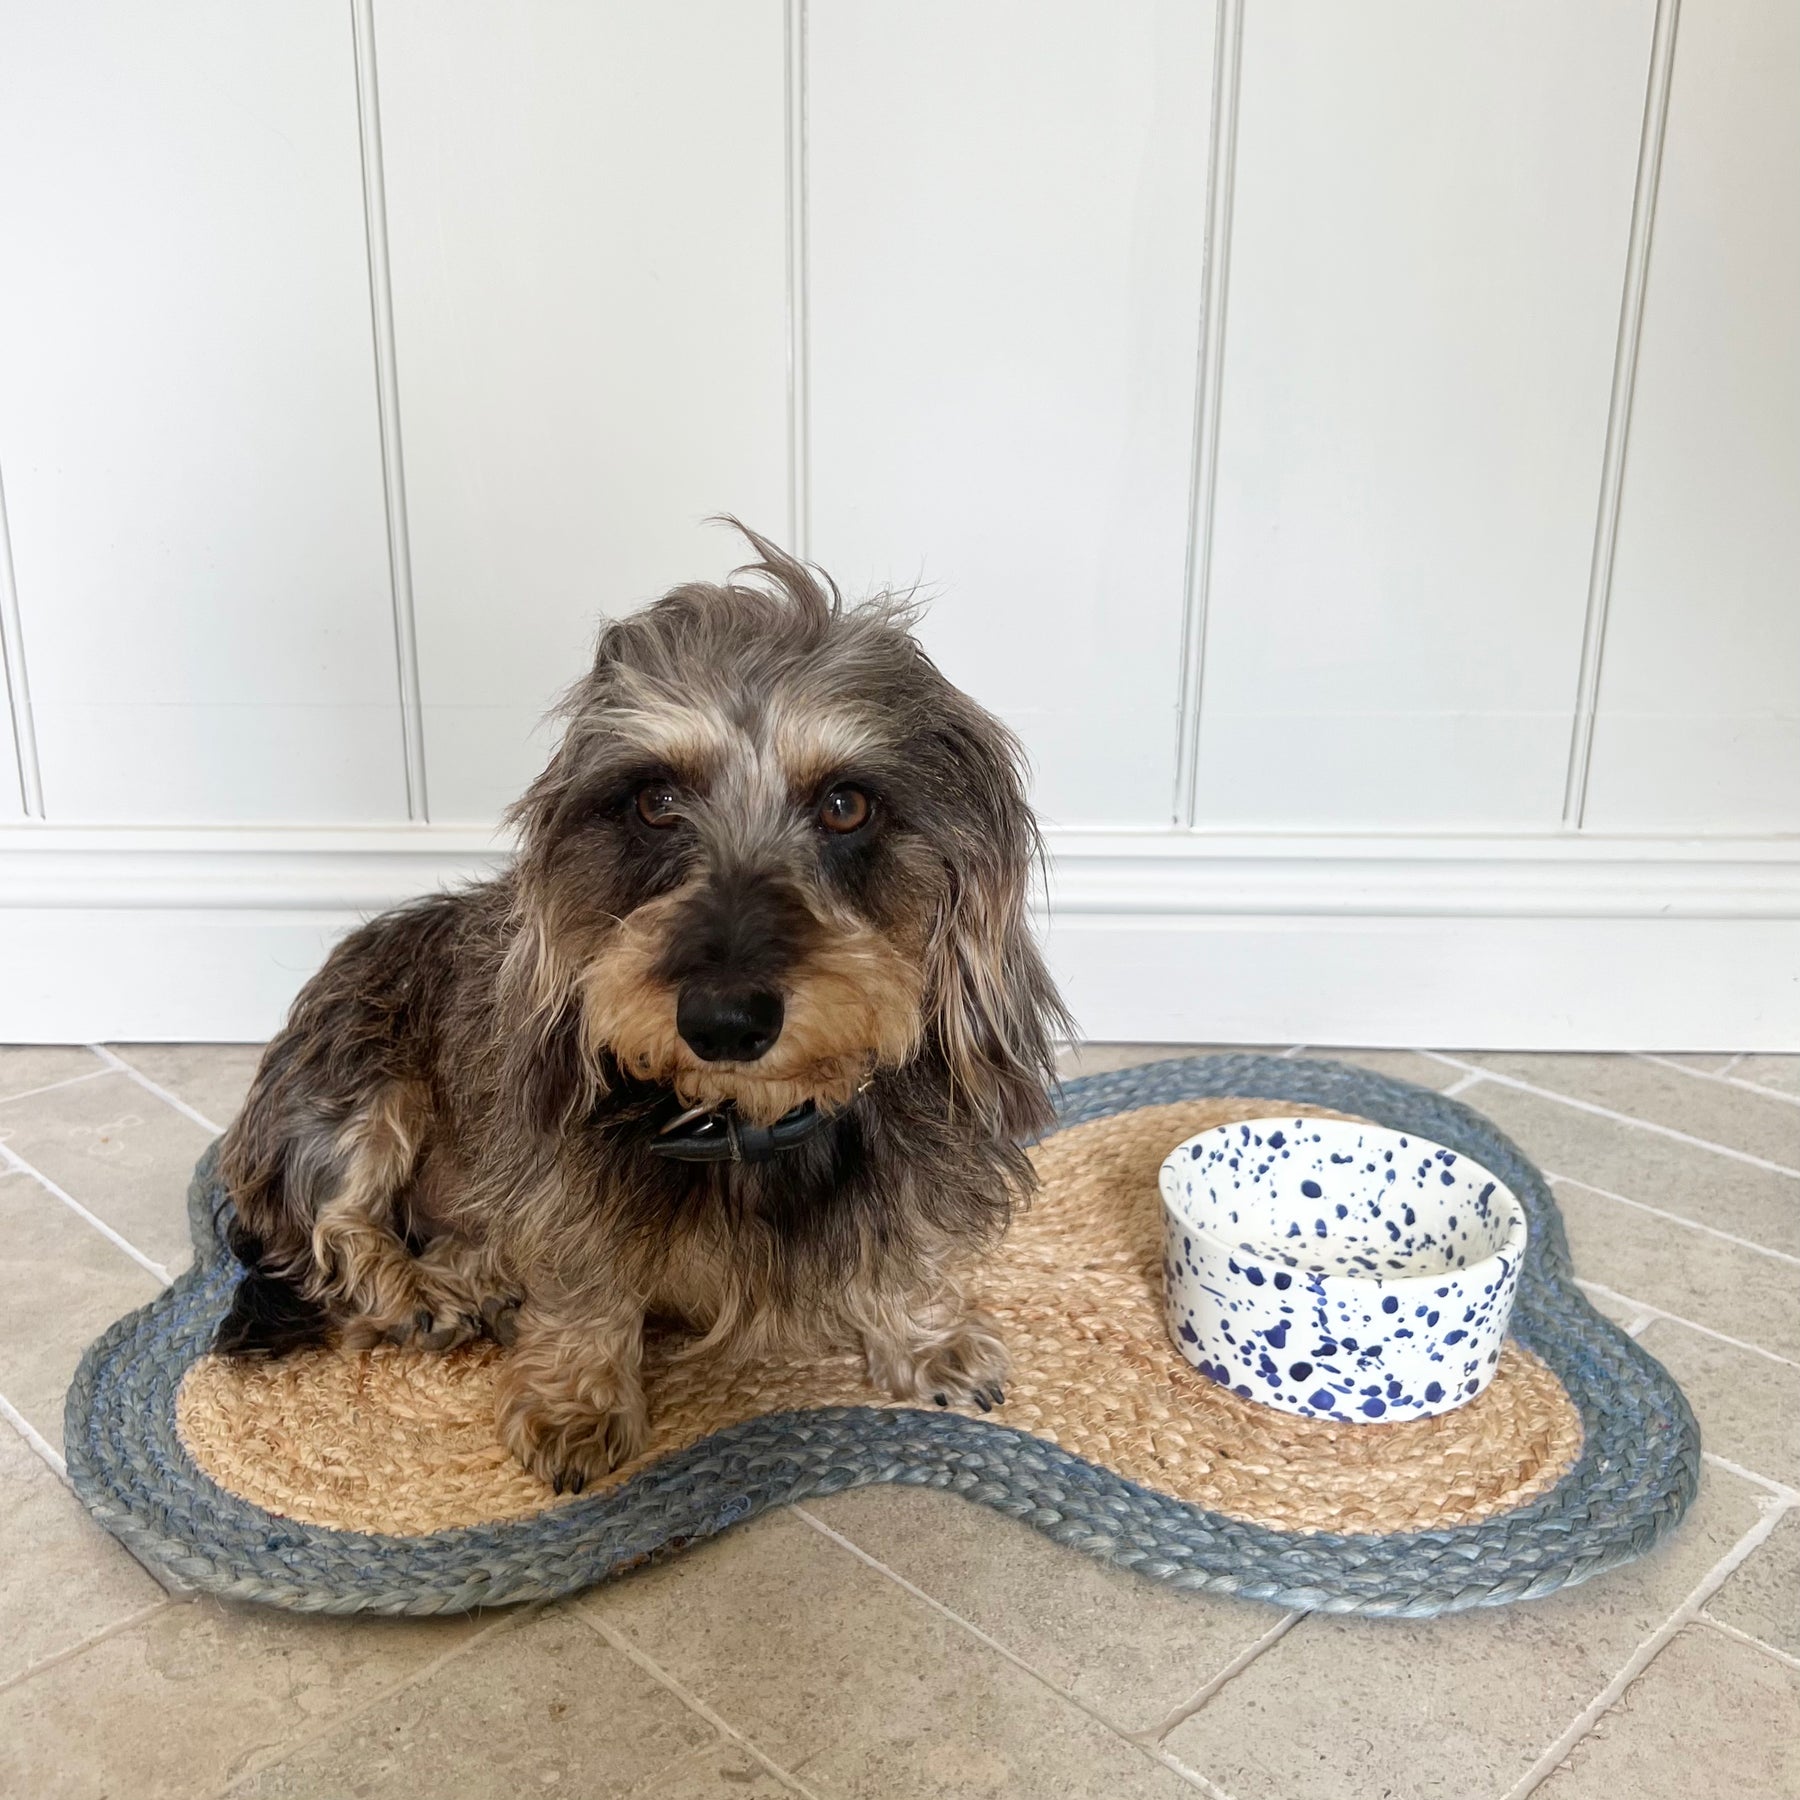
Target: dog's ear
x,y
989,999
552,1073
550,1078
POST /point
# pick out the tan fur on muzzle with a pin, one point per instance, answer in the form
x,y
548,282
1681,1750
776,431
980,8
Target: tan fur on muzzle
x,y
852,1004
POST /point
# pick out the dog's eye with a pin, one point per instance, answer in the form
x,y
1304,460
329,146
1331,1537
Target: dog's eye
x,y
845,809
657,803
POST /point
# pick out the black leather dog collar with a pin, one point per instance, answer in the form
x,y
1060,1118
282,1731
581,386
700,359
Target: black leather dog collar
x,y
721,1136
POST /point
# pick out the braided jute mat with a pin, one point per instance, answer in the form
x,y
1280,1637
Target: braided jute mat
x,y
373,1481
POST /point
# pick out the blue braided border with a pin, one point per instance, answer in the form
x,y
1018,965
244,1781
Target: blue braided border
x,y
1638,1468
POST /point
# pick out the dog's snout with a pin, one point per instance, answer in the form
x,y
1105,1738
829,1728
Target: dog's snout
x,y
728,1024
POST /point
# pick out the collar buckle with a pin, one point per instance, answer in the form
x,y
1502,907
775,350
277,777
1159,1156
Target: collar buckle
x,y
717,1134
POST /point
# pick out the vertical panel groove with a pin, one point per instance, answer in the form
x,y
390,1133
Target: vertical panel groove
x,y
387,390
799,533
1210,365
18,687
1618,418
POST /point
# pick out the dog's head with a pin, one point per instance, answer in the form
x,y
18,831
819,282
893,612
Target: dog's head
x,y
776,851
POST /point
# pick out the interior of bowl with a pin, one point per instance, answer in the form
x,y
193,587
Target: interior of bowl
x,y
1339,1198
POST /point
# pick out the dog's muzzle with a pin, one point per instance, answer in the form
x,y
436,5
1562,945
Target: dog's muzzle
x,y
717,1134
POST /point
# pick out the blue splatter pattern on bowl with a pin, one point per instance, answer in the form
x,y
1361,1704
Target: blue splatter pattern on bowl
x,y
1338,1270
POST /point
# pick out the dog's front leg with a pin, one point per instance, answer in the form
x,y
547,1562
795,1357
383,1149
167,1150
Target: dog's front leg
x,y
930,1344
569,1401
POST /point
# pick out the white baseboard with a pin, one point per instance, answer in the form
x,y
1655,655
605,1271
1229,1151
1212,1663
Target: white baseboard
x,y
1555,942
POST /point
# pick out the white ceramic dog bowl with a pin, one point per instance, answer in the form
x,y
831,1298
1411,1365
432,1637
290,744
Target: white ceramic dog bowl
x,y
1338,1270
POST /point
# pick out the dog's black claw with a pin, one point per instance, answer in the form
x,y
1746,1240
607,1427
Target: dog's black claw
x,y
556,1483
940,1399
983,1401
500,1318
422,1321
577,1482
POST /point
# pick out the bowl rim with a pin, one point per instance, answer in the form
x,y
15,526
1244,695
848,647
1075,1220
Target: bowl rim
x,y
1511,1249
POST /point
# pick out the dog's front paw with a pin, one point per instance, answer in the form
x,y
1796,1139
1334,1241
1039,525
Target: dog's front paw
x,y
967,1367
444,1301
460,1298
424,1327
438,1321
570,1443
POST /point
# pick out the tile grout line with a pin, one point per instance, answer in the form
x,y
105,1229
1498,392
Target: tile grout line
x,y
118,1063
1619,1118
1461,1086
1730,1237
1648,1650
1780,1489
14,1161
1238,1664
1746,1637
50,1087
1136,1740
1191,1775
1719,1077
329,1727
40,1446
1738,1085
1656,1312
70,1651
610,1634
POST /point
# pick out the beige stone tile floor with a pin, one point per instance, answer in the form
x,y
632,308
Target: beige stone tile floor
x,y
887,1643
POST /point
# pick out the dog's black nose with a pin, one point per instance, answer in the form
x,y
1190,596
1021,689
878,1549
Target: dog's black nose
x,y
728,1024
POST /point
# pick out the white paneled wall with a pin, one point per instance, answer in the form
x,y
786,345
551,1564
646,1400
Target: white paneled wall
x,y
1429,224
1699,698
188,438
587,215
1004,232
1357,446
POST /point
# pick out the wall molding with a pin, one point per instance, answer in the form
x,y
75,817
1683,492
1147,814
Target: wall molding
x,y
1618,414
1209,375
349,870
1184,874
12,673
799,346
1554,941
387,395
1102,873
